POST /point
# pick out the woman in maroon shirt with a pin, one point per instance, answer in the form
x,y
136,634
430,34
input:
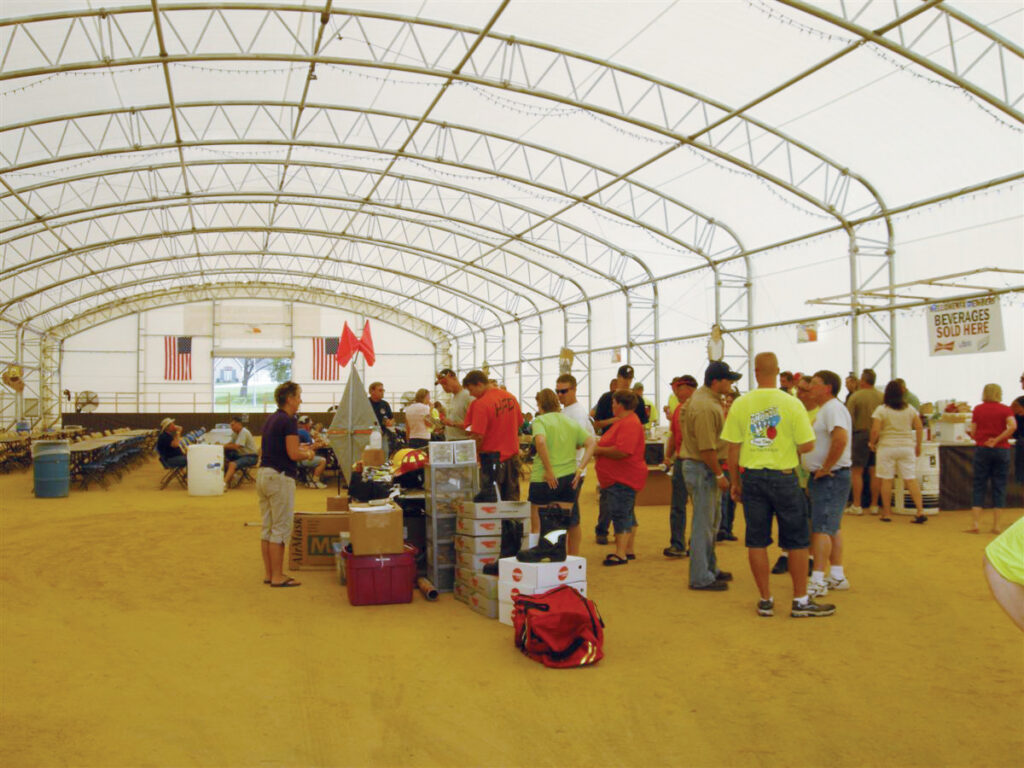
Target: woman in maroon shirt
x,y
991,425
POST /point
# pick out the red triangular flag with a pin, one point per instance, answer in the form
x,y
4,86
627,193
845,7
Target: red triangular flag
x,y
347,346
366,345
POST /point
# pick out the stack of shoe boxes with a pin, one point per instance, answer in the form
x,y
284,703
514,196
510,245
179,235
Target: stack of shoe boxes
x,y
450,479
478,543
516,578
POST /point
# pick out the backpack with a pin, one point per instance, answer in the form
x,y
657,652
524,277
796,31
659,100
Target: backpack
x,y
559,628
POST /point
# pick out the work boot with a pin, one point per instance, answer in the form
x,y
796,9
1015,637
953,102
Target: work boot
x,y
488,478
511,543
554,518
551,549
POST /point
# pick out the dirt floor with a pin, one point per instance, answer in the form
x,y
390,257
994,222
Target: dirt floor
x,y
136,632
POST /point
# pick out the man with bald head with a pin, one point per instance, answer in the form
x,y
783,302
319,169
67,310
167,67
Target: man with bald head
x,y
767,430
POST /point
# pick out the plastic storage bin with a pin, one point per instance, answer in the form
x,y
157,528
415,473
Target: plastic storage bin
x,y
381,579
51,468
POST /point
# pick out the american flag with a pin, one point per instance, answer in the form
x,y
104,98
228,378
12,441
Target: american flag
x,y
177,358
325,364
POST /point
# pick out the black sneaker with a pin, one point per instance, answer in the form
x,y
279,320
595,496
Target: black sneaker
x,y
725,536
811,609
723,576
715,586
766,607
602,538
673,552
781,565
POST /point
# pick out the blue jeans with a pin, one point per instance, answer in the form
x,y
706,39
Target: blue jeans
x,y
728,509
828,498
991,465
707,512
677,512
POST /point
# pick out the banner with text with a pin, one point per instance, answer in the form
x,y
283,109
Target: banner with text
x,y
959,327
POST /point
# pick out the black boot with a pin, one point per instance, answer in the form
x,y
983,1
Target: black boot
x,y
551,549
554,518
488,478
511,543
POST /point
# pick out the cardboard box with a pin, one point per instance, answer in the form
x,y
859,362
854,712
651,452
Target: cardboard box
x,y
337,503
542,575
490,510
472,527
484,584
658,490
509,591
485,606
376,532
474,562
313,533
478,545
374,457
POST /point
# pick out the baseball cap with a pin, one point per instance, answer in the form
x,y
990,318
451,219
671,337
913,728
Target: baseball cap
x,y
720,370
443,373
686,379
165,422
303,419
625,372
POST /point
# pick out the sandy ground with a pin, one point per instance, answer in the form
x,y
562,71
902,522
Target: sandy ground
x,y
136,632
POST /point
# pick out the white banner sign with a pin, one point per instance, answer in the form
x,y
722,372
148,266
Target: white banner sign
x,y
959,327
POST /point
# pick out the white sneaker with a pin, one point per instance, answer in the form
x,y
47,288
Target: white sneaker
x,y
837,585
873,511
853,509
817,589
318,484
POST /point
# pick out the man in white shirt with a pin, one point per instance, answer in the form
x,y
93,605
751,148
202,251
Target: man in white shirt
x,y
565,388
829,484
241,452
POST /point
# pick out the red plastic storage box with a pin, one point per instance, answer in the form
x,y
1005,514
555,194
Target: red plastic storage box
x,y
381,579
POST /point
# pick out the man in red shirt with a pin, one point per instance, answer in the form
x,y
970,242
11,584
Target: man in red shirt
x,y
493,420
621,473
992,425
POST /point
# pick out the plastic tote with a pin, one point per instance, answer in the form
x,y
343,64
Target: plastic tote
x,y
380,579
205,470
51,467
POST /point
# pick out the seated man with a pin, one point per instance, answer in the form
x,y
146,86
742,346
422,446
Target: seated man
x,y
239,453
168,445
317,463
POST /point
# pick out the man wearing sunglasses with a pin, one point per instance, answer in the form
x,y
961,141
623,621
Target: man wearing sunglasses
x,y
565,388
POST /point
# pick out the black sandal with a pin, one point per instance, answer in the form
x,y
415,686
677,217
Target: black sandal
x,y
614,559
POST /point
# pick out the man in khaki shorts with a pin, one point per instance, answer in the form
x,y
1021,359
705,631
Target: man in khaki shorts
x,y
275,481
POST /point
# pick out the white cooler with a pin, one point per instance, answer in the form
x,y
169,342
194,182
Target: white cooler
x,y
205,470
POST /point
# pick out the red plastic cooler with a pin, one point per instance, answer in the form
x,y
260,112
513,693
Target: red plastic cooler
x,y
381,579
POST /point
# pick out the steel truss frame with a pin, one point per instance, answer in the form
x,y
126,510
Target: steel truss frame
x,y
498,253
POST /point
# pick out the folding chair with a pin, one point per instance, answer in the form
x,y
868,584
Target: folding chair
x,y
173,473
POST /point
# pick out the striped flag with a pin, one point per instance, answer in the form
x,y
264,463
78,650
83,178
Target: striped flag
x,y
325,363
177,358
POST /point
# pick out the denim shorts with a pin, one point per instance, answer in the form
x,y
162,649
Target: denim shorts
x,y
618,501
769,493
541,493
828,499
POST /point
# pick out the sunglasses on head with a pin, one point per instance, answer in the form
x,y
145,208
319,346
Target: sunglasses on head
x,y
562,391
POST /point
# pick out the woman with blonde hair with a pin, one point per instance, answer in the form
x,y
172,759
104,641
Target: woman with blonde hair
x,y
417,420
991,426
556,473
896,433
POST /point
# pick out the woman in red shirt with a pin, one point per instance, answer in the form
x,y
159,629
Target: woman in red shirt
x,y
621,473
991,425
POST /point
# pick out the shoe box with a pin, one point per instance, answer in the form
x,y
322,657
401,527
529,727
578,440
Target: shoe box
x,y
461,592
469,526
489,510
541,575
478,582
474,562
485,606
478,545
337,503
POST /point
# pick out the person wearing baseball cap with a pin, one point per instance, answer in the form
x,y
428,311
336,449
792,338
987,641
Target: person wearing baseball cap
x,y
682,388
454,416
168,444
603,421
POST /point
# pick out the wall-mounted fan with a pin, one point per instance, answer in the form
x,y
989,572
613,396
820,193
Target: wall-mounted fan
x,y
86,402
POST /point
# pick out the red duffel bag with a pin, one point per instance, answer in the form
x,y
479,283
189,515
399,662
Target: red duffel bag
x,y
559,628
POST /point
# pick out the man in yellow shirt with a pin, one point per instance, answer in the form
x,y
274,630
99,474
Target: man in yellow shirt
x,y
767,430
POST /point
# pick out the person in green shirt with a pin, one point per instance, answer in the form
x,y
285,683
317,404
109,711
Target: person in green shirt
x,y
767,430
555,477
